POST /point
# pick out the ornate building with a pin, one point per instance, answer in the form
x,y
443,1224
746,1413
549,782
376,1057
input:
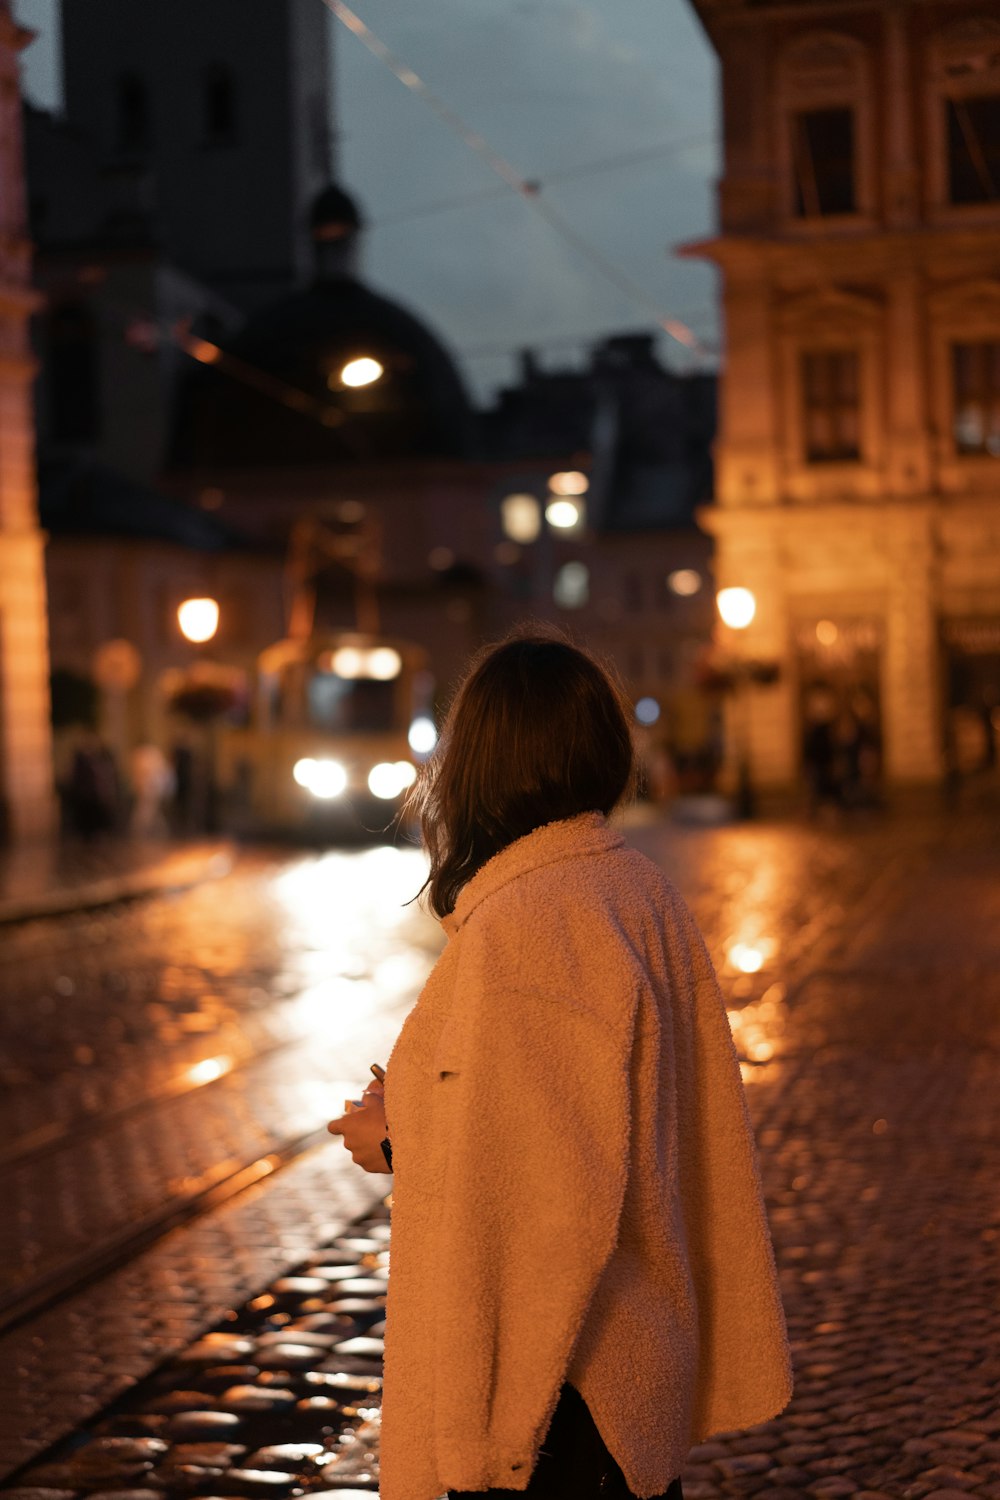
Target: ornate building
x,y
858,459
26,800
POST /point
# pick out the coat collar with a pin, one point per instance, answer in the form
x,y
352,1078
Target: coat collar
x,y
570,838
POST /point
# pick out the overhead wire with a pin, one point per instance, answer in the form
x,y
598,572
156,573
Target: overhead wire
x,y
528,189
561,174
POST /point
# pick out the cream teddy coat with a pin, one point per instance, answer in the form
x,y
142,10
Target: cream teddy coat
x,y
576,1193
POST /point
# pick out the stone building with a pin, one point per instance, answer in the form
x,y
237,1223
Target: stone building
x,y
858,459
26,798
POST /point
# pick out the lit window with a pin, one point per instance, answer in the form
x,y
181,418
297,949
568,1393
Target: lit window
x,y
831,406
823,159
684,581
521,517
976,376
571,589
569,482
973,126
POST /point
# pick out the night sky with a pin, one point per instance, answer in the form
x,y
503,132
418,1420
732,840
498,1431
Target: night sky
x,y
554,86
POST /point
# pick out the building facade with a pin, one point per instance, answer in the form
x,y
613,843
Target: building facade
x,y
26,798
858,459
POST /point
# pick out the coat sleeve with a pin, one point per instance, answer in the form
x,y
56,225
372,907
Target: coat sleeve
x,y
533,1074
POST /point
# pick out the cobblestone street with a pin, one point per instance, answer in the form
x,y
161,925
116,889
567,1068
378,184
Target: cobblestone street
x,y
168,1067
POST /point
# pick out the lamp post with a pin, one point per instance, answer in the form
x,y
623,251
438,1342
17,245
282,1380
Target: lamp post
x,y
737,607
198,620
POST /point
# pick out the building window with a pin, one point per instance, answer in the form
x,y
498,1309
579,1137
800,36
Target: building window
x,y
132,132
973,126
571,589
71,371
823,162
976,377
831,406
220,105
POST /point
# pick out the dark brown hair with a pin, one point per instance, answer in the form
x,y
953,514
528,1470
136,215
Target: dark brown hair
x,y
538,731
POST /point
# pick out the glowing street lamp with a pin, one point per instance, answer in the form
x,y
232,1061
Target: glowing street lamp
x,y
563,514
361,371
198,620
737,607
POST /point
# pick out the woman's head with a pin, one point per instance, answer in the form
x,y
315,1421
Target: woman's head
x,y
538,731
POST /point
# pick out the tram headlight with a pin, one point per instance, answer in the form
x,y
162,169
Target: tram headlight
x,y
388,780
324,778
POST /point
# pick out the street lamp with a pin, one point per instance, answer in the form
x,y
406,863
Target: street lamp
x,y
737,607
361,371
198,620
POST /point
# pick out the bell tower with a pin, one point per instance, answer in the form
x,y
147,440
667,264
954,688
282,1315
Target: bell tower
x,y
215,116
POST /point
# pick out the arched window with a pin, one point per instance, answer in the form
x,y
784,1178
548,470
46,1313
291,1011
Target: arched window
x,y
219,104
132,122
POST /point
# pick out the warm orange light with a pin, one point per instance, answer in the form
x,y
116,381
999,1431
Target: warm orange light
x,y
737,607
571,482
201,349
209,1069
826,632
746,957
563,514
198,619
363,371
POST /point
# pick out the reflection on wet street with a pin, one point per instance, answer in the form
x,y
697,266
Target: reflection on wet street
x,y
152,1051
170,1066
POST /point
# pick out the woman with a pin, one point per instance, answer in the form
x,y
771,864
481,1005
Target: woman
x,y
582,1278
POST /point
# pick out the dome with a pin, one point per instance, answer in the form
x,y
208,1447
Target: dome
x,y
293,406
334,214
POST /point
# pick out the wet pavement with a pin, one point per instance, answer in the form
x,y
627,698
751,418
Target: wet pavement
x,y
168,1067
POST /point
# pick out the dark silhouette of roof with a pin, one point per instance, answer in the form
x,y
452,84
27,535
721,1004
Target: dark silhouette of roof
x,y
86,499
418,408
335,210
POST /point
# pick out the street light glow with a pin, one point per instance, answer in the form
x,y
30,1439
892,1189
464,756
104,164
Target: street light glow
x,y
423,735
362,371
563,514
384,663
198,619
521,517
684,581
737,607
571,482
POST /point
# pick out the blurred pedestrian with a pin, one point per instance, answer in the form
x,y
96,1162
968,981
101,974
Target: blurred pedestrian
x,y
819,752
582,1281
153,784
94,788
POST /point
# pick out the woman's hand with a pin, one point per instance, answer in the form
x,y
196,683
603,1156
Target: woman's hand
x,y
363,1130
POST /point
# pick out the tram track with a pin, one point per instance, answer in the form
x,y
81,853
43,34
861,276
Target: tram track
x,y
72,1277
56,1134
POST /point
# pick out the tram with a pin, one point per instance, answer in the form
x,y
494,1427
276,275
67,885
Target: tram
x,y
326,749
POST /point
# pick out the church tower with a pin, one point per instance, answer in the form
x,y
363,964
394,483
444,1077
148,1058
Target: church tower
x,y
27,806
858,461
203,111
